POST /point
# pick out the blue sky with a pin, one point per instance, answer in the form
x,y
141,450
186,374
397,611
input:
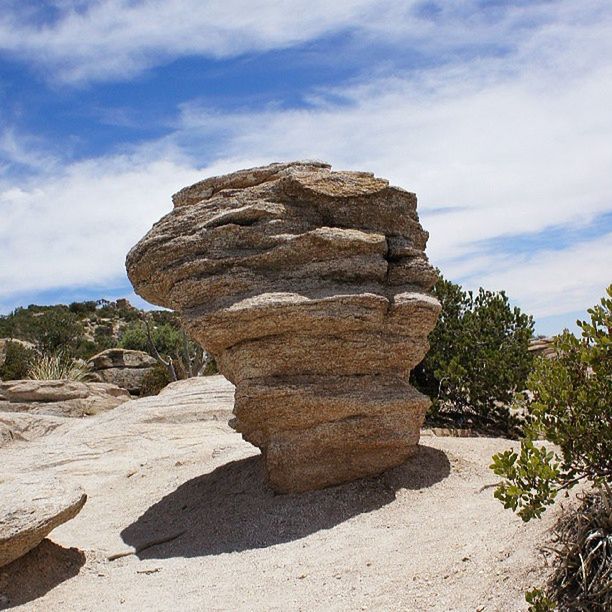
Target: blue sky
x,y
496,113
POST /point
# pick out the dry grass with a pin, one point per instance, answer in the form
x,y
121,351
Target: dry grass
x,y
583,546
57,367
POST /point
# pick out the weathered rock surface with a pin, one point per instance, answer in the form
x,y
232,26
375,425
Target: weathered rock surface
x,y
22,426
311,289
543,347
30,508
122,367
60,397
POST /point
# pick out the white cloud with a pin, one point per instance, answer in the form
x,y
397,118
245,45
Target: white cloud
x,y
75,228
554,282
118,38
110,39
512,144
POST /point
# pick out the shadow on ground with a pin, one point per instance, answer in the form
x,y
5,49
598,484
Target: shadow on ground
x,y
232,509
37,572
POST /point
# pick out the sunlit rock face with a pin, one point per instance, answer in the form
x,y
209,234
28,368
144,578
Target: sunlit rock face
x,y
311,289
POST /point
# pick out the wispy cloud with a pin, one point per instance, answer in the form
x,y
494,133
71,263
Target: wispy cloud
x,y
509,142
108,39
119,38
75,227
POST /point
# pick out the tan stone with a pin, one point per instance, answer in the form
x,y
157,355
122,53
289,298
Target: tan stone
x,y
31,506
22,426
60,397
122,367
311,289
543,347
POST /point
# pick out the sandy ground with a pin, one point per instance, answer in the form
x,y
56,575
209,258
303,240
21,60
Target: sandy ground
x,y
424,536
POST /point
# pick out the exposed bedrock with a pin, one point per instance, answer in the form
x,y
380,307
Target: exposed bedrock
x,y
311,289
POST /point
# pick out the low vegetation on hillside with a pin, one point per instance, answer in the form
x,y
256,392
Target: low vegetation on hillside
x,y
62,334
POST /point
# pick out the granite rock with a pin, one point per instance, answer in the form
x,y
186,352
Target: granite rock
x,y
60,397
31,506
311,288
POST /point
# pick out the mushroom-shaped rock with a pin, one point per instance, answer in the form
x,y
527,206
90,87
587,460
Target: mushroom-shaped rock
x,y
311,289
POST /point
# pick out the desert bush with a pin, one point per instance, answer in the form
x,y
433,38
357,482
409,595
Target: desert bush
x,y
169,344
166,338
50,328
570,406
82,308
582,579
478,358
18,359
57,367
154,381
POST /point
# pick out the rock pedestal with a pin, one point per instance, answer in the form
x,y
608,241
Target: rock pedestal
x,y
311,289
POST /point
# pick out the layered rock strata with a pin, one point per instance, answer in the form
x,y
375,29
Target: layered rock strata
x,y
122,367
311,289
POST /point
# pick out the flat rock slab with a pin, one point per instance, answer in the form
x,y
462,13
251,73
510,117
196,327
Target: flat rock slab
x,y
63,398
30,508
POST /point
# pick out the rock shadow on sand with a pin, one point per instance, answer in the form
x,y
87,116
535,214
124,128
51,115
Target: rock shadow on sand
x,y
37,572
232,509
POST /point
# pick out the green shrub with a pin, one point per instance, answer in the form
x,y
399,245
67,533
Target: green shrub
x,y
82,308
18,359
166,338
50,328
478,358
154,381
571,406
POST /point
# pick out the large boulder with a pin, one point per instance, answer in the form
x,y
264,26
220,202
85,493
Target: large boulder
x,y
122,367
311,289
60,397
31,506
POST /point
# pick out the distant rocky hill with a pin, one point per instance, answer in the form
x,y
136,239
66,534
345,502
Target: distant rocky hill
x,y
82,330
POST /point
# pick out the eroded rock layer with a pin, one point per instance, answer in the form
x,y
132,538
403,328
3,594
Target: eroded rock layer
x,y
311,289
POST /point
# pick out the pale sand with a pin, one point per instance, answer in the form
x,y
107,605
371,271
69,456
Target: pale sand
x,y
424,536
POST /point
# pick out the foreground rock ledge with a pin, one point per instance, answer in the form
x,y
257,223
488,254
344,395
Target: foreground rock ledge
x,y
31,506
311,289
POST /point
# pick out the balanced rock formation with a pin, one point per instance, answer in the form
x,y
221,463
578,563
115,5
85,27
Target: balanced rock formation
x,y
122,367
65,398
311,290
31,506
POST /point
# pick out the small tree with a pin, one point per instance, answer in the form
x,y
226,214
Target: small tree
x,y
56,329
571,406
169,344
479,356
17,361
